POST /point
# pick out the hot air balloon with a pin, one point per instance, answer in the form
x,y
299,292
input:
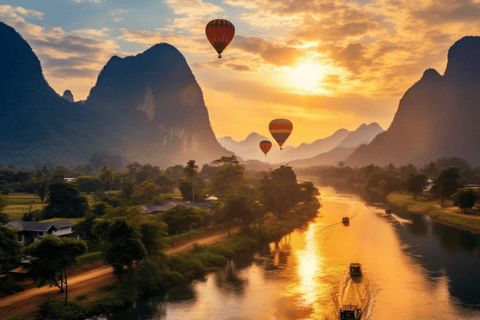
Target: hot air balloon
x,y
220,32
265,145
280,130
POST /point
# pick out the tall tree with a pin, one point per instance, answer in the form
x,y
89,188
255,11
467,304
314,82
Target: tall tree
x,y
122,244
416,183
53,256
65,201
447,183
10,249
228,178
108,176
191,172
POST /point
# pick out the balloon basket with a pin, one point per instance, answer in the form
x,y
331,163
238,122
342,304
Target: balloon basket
x,y
219,56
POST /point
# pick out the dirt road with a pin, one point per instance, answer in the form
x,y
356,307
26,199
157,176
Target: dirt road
x,y
90,283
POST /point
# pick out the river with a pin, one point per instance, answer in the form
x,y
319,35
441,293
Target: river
x,y
413,268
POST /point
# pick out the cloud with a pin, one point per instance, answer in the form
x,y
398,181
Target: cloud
x,y
91,1
194,15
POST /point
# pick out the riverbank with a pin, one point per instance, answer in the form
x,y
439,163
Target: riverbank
x,y
167,270
448,215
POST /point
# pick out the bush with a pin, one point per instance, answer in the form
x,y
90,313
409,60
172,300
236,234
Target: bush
x,y
81,297
57,310
187,266
9,286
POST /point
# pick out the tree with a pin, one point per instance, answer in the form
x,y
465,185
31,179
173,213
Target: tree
x,y
186,189
238,208
3,202
89,184
87,225
121,244
180,218
191,172
228,177
166,184
153,236
416,183
108,176
280,190
144,193
465,198
10,249
132,170
53,255
447,183
65,201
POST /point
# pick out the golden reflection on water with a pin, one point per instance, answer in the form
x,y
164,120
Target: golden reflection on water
x,y
305,276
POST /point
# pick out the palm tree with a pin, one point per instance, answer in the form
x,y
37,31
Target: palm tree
x,y
191,172
108,176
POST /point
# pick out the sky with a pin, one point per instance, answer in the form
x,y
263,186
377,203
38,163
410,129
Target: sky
x,y
323,64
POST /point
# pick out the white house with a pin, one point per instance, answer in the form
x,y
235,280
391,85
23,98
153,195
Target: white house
x,y
29,232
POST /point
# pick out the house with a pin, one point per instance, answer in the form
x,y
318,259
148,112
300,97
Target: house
x,y
29,232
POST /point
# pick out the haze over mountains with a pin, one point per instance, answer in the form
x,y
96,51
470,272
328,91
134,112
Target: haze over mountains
x,y
313,153
148,108
437,117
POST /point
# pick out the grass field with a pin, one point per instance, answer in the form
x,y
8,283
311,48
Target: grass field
x,y
434,210
19,204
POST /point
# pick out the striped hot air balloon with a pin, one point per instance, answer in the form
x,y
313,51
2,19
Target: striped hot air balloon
x,y
265,145
280,130
220,32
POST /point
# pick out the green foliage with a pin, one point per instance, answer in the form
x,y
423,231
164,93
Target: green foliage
x,y
228,177
166,184
10,249
81,297
100,208
56,310
33,216
65,201
89,184
447,183
180,218
465,198
3,202
53,256
186,189
153,236
280,190
144,193
416,183
185,264
87,225
4,218
122,245
9,286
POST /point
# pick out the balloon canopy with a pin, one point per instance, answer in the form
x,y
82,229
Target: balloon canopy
x,y
280,130
220,32
265,145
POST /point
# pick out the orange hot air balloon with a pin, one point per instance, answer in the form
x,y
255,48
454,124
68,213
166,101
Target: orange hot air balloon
x,y
265,145
220,32
280,130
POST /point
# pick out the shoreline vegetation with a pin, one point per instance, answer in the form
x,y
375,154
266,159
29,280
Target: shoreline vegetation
x,y
162,272
448,215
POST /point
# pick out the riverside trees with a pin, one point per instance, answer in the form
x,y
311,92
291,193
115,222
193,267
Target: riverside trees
x,y
52,257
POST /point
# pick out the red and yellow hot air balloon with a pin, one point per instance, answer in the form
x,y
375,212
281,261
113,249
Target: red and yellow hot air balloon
x,y
280,129
220,32
265,145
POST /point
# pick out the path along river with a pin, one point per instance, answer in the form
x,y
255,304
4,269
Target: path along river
x,y
414,268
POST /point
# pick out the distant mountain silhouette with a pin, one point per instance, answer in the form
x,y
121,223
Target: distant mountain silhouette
x,y
363,134
148,108
332,158
67,95
437,117
249,149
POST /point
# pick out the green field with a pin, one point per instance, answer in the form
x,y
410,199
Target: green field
x,y
19,204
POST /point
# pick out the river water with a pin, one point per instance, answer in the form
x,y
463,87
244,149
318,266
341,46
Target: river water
x,y
413,268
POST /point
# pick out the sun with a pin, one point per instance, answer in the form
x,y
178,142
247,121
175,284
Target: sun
x,y
307,77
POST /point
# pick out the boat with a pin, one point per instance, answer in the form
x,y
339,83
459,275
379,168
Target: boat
x,y
345,220
350,312
355,269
